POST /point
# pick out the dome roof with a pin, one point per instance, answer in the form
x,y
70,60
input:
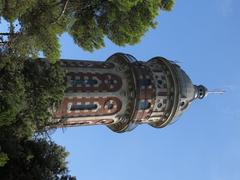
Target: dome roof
x,y
181,92
187,91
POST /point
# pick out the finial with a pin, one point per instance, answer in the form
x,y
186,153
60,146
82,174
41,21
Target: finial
x,y
201,91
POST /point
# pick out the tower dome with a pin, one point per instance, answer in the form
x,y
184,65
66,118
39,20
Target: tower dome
x,y
123,93
186,90
180,91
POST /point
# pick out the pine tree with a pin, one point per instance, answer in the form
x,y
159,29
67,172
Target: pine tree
x,y
28,88
41,22
34,159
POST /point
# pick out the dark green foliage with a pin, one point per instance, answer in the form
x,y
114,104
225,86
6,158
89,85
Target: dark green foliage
x,y
122,21
41,22
41,29
167,4
12,9
34,159
3,159
12,91
46,84
28,90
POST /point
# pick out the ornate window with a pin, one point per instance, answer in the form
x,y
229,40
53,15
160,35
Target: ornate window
x,y
110,81
77,107
144,105
83,82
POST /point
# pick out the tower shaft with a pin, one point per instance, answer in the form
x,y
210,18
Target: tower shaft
x,y
123,93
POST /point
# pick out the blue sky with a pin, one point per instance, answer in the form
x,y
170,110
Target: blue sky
x,y
205,143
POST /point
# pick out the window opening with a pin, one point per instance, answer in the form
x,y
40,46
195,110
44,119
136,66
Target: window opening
x,y
82,82
144,105
76,107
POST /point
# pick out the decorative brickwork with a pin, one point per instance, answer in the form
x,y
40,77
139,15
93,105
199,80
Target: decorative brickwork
x,y
86,64
123,93
103,106
90,82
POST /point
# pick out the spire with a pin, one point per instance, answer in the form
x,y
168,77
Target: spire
x,y
216,91
202,91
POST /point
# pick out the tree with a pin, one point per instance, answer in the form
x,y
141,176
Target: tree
x,y
28,88
41,22
34,159
11,81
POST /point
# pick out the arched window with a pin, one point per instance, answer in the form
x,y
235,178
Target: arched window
x,y
82,82
144,105
90,81
110,81
77,107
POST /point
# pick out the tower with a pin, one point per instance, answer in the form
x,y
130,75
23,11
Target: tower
x,y
123,93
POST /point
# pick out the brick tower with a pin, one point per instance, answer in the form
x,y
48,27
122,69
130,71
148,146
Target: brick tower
x,y
122,93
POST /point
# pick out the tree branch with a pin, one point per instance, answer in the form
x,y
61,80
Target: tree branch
x,y
63,10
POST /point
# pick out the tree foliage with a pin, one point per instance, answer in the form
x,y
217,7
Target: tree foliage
x,y
27,91
88,22
11,81
34,159
3,159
